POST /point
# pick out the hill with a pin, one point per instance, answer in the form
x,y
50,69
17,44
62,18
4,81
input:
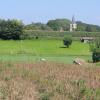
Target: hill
x,y
62,24
57,24
87,27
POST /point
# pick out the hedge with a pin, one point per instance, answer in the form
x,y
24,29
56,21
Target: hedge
x,y
30,34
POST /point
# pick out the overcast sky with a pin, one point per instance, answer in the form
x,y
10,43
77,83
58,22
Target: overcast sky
x,y
43,10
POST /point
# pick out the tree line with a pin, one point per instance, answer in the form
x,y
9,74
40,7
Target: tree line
x,y
14,29
64,24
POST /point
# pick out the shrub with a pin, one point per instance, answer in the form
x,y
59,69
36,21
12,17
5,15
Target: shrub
x,y
67,41
37,37
96,56
95,48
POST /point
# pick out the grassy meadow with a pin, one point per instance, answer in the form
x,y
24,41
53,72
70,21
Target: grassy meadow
x,y
34,50
23,76
48,81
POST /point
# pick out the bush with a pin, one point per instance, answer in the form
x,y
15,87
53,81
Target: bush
x,y
11,29
95,48
37,37
67,41
96,56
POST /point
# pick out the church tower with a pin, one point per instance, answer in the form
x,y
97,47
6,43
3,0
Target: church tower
x,y
73,25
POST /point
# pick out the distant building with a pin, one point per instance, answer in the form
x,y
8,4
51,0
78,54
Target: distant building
x,y
73,25
86,39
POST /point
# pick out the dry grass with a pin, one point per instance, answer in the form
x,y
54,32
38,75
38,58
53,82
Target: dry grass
x,y
49,81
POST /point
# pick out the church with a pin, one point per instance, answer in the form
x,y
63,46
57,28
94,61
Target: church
x,y
73,25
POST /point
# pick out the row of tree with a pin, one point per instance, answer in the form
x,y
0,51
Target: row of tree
x,y
13,29
52,25
87,27
37,26
64,24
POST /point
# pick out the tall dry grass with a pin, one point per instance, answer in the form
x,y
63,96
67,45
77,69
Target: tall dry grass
x,y
49,81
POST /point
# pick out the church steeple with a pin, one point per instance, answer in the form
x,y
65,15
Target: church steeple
x,y
73,24
73,19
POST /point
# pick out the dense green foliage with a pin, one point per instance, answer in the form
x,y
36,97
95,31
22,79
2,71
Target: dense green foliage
x,y
96,56
67,41
62,25
95,45
57,24
59,28
87,27
11,29
95,48
37,26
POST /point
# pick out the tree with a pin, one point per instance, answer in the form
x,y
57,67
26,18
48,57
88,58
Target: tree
x,y
37,26
95,48
11,29
95,45
58,23
96,56
67,41
87,27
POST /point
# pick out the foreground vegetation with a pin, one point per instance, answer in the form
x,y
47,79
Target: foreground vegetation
x,y
26,80
48,81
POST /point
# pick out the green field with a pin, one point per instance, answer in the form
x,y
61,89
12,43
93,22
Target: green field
x,y
34,50
24,77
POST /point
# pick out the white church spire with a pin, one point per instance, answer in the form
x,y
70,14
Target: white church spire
x,y
73,25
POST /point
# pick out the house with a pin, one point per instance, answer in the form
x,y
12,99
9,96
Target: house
x,y
86,39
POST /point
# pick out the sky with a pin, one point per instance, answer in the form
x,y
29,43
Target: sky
x,y
43,10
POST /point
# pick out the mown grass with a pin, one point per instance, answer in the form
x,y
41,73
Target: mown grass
x,y
49,81
34,50
29,58
43,47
